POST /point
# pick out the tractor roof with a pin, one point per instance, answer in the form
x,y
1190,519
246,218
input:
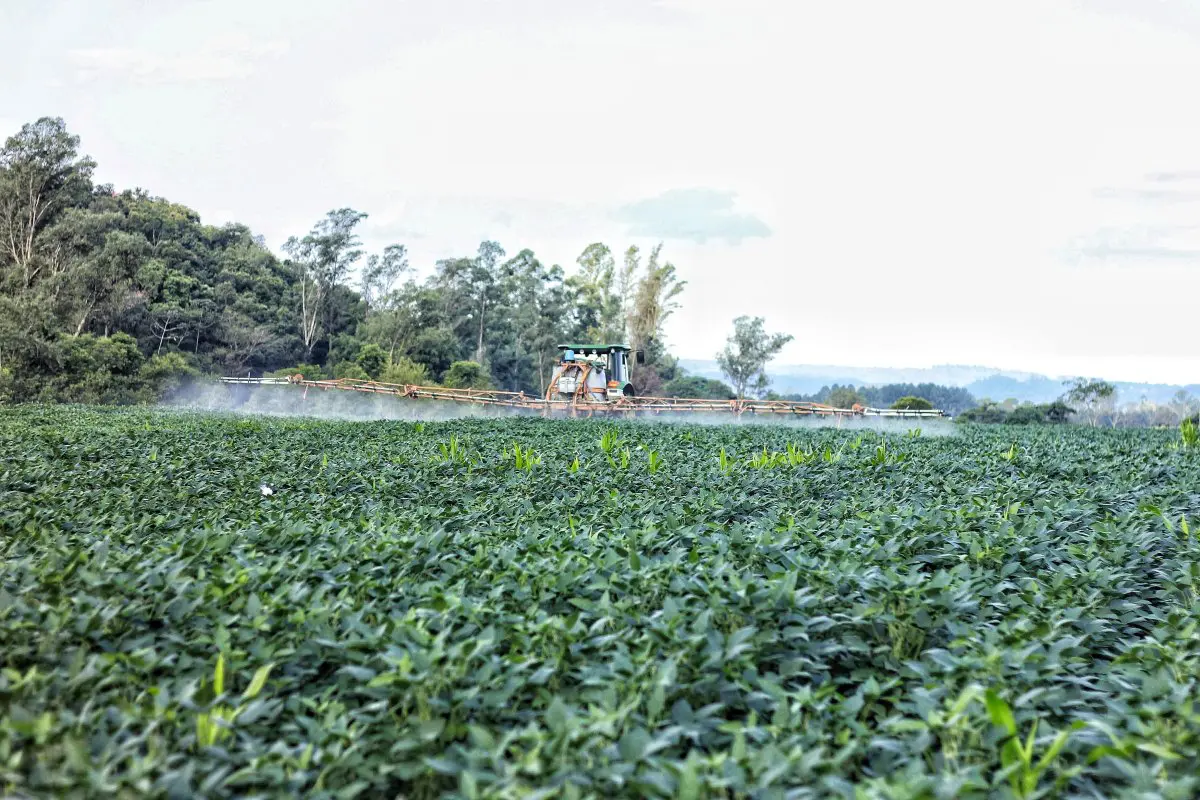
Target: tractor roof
x,y
598,347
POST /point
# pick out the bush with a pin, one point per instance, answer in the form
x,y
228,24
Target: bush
x,y
372,359
845,397
988,413
95,369
164,374
467,375
1026,415
696,387
350,370
7,385
912,403
406,371
311,372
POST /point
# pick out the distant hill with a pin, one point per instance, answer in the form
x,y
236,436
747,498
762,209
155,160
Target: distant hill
x,y
989,382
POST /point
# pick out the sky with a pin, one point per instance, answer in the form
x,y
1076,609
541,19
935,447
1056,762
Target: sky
x,y
1011,183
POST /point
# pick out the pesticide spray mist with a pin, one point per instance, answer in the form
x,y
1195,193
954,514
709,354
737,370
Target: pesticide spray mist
x,y
335,404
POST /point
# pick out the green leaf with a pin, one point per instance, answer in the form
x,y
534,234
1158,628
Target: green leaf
x,y
1001,715
219,676
258,681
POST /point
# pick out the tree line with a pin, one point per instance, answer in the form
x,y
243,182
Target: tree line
x,y
113,296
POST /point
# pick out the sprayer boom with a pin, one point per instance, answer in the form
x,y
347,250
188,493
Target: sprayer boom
x,y
584,404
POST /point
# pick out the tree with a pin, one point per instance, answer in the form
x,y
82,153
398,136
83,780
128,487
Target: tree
x,y
845,397
382,273
1092,398
538,307
695,386
467,375
912,403
372,359
322,260
654,300
405,371
599,306
747,353
41,174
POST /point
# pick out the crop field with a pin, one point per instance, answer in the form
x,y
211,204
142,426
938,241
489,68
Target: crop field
x,y
216,605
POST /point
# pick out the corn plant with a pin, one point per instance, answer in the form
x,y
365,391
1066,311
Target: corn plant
x,y
1189,434
768,460
724,462
797,457
452,452
653,462
216,723
1016,758
609,441
524,458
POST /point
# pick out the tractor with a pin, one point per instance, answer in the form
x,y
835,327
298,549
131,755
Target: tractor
x,y
592,373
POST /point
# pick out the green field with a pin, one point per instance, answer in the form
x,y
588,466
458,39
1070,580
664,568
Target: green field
x,y
610,610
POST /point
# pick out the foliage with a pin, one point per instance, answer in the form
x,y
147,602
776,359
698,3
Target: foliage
x,y
372,359
695,386
1189,433
166,373
845,397
746,354
349,370
405,371
912,403
951,399
889,615
467,375
990,412
1090,397
80,259
311,372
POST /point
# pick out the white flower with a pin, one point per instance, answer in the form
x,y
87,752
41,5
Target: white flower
x,y
267,491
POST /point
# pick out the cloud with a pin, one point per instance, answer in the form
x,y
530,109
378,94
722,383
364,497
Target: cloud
x,y
227,58
1166,243
693,214
1176,16
1176,186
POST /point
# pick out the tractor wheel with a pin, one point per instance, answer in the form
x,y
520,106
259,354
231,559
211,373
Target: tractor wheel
x,y
627,390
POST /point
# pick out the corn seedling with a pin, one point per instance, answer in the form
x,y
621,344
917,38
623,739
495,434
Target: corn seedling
x,y
452,452
797,457
725,462
1016,758
524,458
216,723
653,461
609,441
1189,434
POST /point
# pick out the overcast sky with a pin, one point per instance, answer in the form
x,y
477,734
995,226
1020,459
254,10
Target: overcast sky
x,y
1013,183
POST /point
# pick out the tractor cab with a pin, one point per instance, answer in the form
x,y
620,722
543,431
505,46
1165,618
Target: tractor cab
x,y
592,372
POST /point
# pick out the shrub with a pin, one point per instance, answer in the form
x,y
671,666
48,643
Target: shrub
x,y
467,375
350,370
164,374
845,397
311,372
405,370
697,387
372,359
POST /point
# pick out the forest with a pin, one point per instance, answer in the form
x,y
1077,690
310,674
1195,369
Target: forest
x,y
115,296
118,296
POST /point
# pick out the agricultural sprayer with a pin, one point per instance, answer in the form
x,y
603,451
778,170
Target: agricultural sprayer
x,y
588,380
